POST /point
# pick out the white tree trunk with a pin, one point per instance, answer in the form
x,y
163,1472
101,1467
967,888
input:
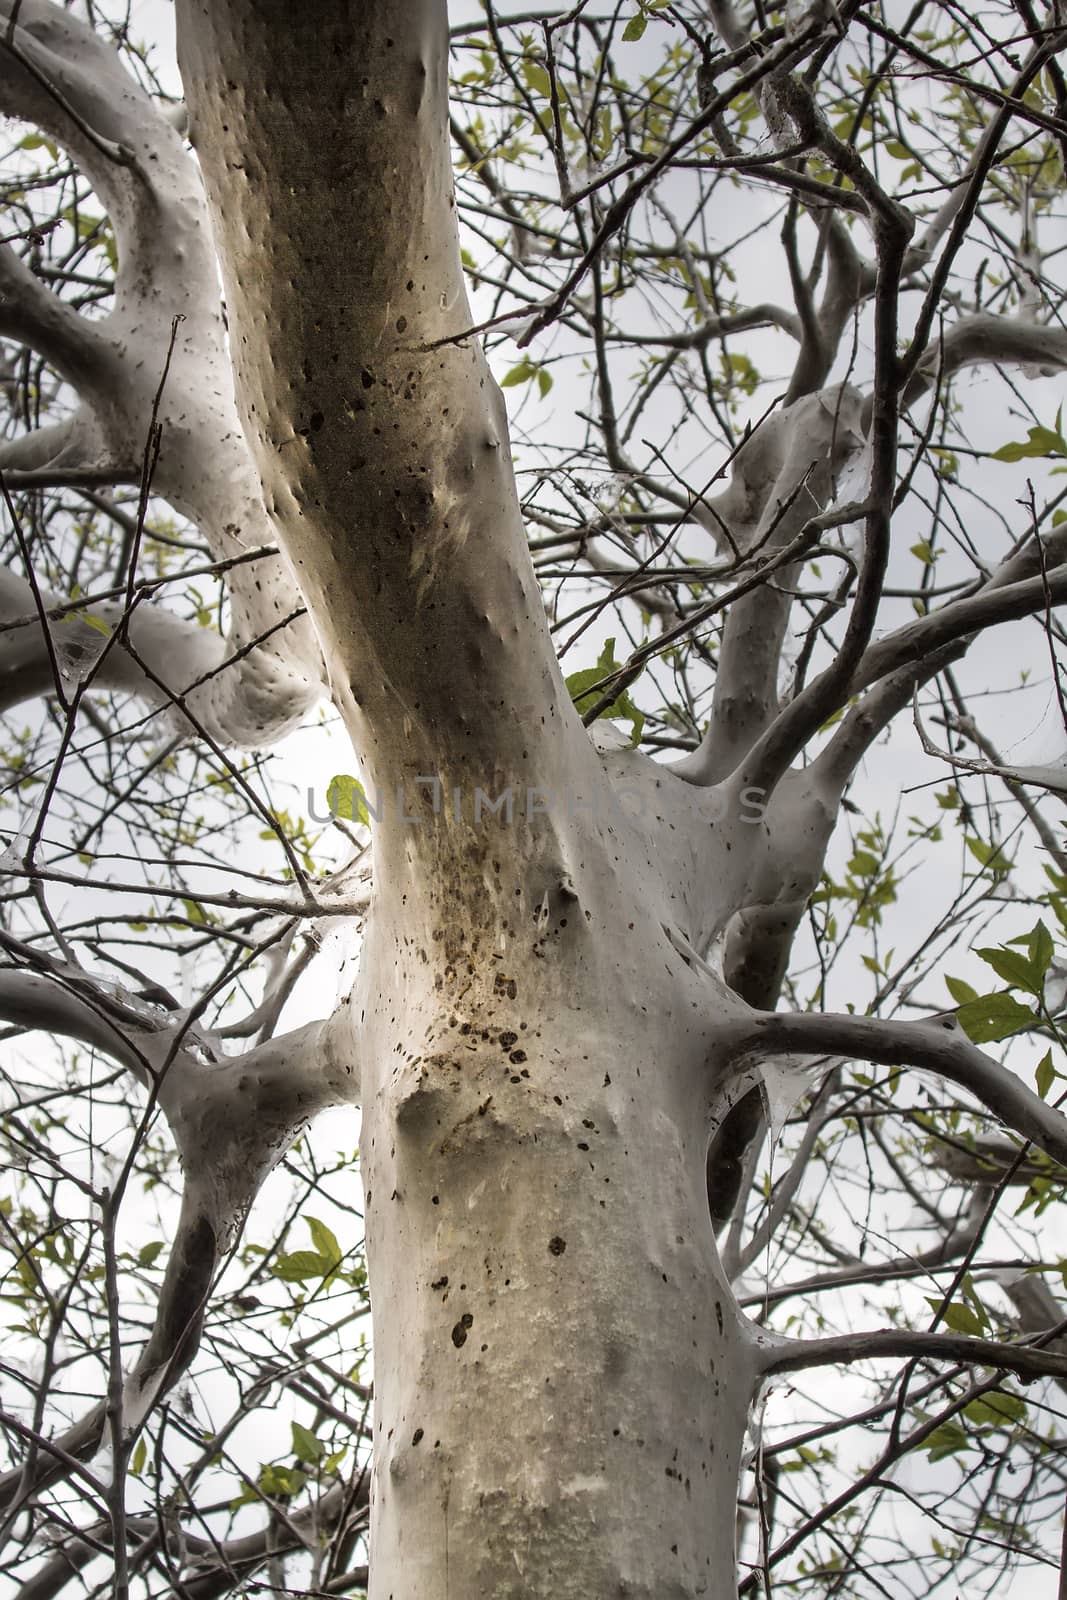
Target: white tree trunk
x,y
561,1377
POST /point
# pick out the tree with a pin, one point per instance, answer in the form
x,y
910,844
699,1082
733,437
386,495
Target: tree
x,y
621,932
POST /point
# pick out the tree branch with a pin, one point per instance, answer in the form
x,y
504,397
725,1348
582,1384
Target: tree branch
x,y
232,1120
79,92
382,442
779,1354
940,1047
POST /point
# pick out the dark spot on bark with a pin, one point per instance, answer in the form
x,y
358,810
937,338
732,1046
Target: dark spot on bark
x,y
316,421
416,1437
518,1056
177,1333
435,1200
582,1145
507,1040
440,1283
459,1332
401,324
556,1245
366,378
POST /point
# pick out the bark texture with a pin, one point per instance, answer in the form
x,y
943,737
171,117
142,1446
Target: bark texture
x,y
561,1376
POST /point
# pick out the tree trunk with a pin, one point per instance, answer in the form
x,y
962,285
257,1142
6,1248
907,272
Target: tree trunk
x,y
561,1377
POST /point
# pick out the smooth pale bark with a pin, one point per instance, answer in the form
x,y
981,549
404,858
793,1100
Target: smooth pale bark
x,y
177,654
561,1376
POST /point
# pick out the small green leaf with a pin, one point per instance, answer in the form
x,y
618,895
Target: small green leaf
x,y
299,1266
1045,1074
148,1253
324,1241
587,688
992,1017
996,1409
305,1445
947,1440
988,855
347,799
137,1460
1013,967
958,1317
961,992
635,28
863,864
281,1482
526,372
1040,948
1039,442
537,78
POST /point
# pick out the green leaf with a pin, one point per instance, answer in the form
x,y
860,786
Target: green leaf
x,y
863,864
324,1241
961,992
1039,442
148,1253
537,78
98,623
958,1317
992,1017
347,799
300,1266
1045,1074
583,687
947,1440
137,1460
996,1409
305,1445
281,1482
1013,967
525,372
635,28
1040,948
988,855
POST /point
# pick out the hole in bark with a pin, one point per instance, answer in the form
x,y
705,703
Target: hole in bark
x,y
556,1245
